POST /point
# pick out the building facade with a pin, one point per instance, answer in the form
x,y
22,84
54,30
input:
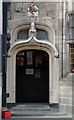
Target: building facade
x,y
40,53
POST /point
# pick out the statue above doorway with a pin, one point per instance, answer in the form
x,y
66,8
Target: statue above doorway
x,y
32,31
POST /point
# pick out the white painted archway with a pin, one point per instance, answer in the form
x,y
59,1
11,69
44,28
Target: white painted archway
x,y
33,43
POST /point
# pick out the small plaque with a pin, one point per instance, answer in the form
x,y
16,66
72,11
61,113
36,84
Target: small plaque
x,y
29,71
37,74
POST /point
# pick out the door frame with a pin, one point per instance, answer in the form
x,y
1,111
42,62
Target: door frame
x,y
33,43
53,73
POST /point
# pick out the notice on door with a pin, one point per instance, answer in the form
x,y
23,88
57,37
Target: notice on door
x,y
29,58
37,73
29,71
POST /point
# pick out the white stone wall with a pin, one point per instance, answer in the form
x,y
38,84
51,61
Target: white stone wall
x,y
50,14
65,100
47,20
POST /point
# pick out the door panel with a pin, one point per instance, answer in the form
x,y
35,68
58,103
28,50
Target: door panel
x,y
32,76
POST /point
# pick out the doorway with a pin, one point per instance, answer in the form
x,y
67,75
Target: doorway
x,y
32,76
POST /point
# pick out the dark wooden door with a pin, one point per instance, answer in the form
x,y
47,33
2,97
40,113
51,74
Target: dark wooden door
x,y
32,76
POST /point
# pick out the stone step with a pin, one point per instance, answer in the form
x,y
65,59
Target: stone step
x,y
36,113
31,107
67,117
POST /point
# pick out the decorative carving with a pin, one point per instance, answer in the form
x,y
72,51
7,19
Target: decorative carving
x,y
32,31
33,10
56,54
32,27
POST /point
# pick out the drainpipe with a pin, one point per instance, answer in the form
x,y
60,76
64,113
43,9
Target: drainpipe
x,y
4,53
62,40
0,56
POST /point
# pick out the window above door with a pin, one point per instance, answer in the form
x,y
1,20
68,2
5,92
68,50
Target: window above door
x,y
23,34
40,34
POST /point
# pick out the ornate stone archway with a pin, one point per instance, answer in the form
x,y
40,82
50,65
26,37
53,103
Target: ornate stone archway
x,y
33,43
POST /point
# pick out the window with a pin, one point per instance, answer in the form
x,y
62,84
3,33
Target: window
x,y
42,34
71,34
72,57
71,27
23,34
20,59
29,57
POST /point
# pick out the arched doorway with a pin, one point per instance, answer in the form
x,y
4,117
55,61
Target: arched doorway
x,y
32,76
32,43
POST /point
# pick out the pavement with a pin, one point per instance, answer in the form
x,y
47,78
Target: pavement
x,y
36,111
